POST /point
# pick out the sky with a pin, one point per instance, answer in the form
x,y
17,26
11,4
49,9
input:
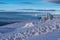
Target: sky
x,y
20,5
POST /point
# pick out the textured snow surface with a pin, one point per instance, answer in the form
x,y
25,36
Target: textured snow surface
x,y
31,30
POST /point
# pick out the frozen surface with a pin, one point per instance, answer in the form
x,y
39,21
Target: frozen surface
x,y
31,30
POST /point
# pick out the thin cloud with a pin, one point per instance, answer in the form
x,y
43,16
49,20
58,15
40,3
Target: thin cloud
x,y
45,10
54,1
30,2
3,3
37,9
2,10
25,9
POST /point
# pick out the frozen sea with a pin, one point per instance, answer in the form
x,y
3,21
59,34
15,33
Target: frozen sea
x,y
12,23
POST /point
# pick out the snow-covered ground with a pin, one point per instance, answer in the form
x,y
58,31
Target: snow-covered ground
x,y
31,30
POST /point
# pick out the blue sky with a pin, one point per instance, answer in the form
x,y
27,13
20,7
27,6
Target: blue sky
x,y
13,5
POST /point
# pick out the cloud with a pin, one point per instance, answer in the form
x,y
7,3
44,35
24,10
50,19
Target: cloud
x,y
2,10
3,3
45,10
25,9
30,2
37,9
54,1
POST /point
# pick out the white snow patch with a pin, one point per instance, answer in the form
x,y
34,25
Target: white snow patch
x,y
36,34
28,25
35,15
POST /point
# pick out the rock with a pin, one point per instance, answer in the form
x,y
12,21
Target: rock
x,y
45,18
49,16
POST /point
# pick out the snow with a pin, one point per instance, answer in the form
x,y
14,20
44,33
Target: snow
x,y
28,25
32,30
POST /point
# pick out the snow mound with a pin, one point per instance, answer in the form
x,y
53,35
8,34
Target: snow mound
x,y
28,25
